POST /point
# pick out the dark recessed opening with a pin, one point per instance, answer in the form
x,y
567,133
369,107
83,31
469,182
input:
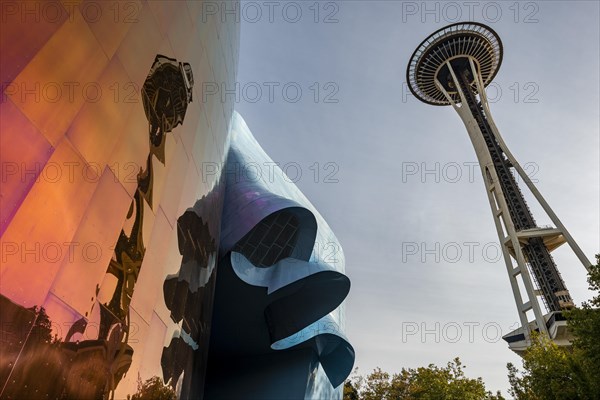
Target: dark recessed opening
x,y
273,239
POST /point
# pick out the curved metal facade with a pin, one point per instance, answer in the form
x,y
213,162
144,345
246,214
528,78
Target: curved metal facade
x,y
277,319
115,225
109,218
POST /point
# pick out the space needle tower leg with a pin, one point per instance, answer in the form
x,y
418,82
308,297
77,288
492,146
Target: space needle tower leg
x,y
504,226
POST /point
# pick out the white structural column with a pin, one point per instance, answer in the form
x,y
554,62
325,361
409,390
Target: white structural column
x,y
510,239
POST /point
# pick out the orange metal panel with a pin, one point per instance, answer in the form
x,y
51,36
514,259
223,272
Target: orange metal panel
x,y
149,283
60,78
140,330
154,342
180,32
141,44
130,153
47,219
26,26
84,270
169,202
23,154
98,126
110,21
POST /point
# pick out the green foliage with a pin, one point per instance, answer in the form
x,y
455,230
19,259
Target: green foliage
x,y
584,323
153,389
427,383
551,372
350,392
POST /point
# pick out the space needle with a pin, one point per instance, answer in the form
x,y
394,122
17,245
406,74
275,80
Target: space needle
x,y
452,67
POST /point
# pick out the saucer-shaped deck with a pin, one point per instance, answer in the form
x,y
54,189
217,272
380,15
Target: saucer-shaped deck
x,y
454,43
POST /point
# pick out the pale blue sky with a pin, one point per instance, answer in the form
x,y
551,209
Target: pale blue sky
x,y
374,135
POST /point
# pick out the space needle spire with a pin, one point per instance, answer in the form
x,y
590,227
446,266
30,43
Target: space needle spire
x,y
452,67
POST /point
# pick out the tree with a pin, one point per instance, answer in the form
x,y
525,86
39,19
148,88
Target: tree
x,y
427,383
350,392
153,389
41,331
552,372
549,372
584,323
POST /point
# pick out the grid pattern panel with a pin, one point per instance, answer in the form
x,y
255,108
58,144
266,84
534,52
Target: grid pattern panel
x,y
273,239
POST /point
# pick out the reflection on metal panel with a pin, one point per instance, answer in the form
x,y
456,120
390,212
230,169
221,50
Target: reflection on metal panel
x,y
118,217
102,359
109,233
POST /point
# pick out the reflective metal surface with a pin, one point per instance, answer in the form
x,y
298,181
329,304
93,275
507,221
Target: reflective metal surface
x,y
280,321
118,213
109,227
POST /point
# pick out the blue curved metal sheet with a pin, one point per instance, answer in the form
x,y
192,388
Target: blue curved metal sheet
x,y
292,306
